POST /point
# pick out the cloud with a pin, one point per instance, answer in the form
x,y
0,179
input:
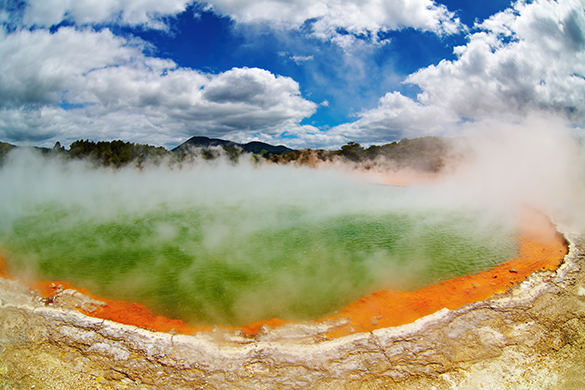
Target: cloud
x,y
75,84
327,18
300,59
38,66
396,117
148,13
525,60
296,137
529,58
78,82
342,20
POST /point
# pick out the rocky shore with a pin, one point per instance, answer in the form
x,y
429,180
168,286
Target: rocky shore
x,y
530,337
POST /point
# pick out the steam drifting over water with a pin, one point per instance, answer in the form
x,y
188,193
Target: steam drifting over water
x,y
217,243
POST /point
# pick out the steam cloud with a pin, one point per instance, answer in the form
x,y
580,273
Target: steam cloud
x,y
266,231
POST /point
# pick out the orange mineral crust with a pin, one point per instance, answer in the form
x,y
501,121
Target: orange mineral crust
x,y
119,311
540,248
4,269
138,315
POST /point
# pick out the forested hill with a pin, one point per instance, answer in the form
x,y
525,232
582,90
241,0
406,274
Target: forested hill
x,y
256,147
426,154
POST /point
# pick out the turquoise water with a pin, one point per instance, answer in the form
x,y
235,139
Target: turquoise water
x,y
204,266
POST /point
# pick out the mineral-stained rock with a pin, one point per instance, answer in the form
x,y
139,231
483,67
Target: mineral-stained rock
x,y
72,299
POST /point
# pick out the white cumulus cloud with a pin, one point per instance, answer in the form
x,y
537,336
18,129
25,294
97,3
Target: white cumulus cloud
x,y
529,58
524,61
75,84
395,117
45,13
327,17
38,66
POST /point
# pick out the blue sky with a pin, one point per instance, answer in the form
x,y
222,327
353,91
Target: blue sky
x,y
301,73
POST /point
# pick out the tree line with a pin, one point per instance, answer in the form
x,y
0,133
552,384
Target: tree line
x,y
114,153
426,153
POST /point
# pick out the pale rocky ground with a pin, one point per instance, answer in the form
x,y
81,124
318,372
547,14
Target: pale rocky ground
x,y
531,337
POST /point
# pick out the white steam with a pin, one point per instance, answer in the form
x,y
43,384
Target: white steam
x,y
498,170
537,164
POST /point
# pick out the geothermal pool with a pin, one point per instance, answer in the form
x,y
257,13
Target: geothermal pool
x,y
218,244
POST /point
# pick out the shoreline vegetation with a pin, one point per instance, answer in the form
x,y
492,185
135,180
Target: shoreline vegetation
x,y
425,154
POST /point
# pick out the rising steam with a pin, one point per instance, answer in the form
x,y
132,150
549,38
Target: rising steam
x,y
220,243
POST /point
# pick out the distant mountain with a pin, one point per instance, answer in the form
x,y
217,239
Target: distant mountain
x,y
202,142
250,147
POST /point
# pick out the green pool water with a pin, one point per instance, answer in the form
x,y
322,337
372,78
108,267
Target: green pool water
x,y
229,245
206,266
